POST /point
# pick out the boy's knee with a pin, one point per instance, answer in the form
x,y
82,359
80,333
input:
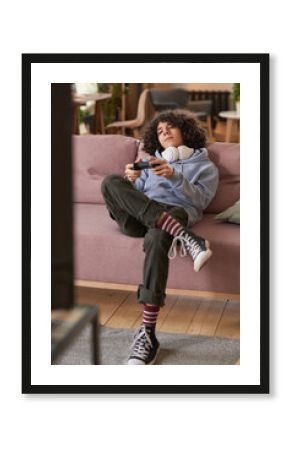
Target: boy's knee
x,y
110,180
158,239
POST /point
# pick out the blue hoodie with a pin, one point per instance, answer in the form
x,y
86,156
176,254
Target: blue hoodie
x,y
192,186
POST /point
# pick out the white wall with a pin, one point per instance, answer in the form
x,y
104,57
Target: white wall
x,y
143,421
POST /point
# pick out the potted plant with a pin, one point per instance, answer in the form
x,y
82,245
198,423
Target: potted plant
x,y
236,96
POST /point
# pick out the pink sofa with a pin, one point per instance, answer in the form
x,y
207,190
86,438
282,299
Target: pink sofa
x,y
103,254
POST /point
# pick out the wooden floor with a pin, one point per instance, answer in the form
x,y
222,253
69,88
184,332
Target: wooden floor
x,y
181,314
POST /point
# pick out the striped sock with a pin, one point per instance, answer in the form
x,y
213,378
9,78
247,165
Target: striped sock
x,y
150,315
169,224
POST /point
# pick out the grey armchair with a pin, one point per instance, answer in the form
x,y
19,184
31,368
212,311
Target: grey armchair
x,y
202,109
162,99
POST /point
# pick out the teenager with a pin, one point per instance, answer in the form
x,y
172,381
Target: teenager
x,y
161,203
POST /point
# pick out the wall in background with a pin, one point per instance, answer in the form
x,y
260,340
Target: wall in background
x,y
206,86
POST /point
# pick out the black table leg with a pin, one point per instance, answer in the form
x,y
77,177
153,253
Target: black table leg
x,y
95,346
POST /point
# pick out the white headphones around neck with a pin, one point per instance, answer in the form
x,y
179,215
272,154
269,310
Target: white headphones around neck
x,y
172,154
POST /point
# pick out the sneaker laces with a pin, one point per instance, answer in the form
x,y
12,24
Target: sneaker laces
x,y
188,245
173,248
141,345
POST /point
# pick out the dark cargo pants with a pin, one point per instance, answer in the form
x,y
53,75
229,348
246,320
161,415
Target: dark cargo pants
x,y
136,215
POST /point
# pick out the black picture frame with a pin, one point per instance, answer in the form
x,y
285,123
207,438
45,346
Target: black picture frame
x,y
248,58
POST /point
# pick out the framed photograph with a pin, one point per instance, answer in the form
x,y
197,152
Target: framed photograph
x,y
86,295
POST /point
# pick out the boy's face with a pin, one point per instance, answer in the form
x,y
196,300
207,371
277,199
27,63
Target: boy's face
x,y
169,136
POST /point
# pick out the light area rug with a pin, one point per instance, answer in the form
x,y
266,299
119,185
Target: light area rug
x,y
176,349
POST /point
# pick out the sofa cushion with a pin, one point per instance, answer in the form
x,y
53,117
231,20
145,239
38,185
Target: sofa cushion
x,y
227,159
94,157
231,214
103,253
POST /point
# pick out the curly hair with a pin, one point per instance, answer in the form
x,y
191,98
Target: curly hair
x,y
193,135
